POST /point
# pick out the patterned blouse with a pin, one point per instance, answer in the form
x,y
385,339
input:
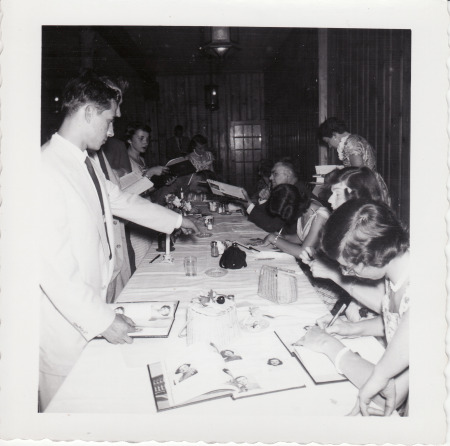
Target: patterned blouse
x,y
356,145
202,162
392,319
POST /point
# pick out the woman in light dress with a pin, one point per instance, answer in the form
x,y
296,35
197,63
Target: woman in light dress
x,y
367,241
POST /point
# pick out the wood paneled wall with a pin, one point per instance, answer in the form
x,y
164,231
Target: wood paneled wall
x,y
292,102
369,74
182,101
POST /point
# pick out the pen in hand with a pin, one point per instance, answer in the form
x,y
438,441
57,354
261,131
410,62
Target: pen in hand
x,y
341,310
332,321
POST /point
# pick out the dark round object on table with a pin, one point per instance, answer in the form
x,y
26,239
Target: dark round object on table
x,y
220,300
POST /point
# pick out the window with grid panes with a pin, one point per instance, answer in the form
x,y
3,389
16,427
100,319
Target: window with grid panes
x,y
248,149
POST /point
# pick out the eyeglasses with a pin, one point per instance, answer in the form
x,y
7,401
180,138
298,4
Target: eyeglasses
x,y
347,270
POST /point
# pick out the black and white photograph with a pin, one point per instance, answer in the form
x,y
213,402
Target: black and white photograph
x,y
119,118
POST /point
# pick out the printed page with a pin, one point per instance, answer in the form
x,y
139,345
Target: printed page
x,y
254,370
318,365
135,183
221,189
193,373
150,318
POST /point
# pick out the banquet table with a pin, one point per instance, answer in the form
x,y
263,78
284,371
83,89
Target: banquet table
x,y
112,379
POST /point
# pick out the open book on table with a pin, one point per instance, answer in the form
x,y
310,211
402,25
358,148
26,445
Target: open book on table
x,y
135,183
154,319
227,190
244,368
318,366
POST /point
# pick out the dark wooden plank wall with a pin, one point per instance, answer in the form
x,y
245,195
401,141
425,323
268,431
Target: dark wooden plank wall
x,y
369,74
182,101
291,87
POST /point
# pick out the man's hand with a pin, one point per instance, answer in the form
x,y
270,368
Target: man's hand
x,y
188,226
247,197
264,194
117,332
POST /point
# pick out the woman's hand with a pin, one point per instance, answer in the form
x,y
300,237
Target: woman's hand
x,y
268,240
156,170
307,255
339,327
374,385
324,271
318,340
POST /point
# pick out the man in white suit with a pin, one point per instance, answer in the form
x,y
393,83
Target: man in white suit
x,y
76,232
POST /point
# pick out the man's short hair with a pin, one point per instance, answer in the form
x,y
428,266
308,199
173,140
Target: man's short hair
x,y
88,87
287,164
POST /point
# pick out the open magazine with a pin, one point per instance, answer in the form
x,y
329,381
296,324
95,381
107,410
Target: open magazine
x,y
209,371
135,183
153,319
319,367
227,190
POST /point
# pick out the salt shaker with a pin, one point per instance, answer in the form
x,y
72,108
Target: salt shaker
x,y
214,249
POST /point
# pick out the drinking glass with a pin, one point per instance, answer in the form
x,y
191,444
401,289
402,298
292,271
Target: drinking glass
x,y
190,266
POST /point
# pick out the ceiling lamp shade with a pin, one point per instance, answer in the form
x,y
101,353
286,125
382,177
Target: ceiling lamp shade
x,y
212,97
219,41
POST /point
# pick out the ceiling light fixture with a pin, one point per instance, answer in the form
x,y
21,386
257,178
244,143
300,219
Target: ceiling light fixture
x,y
220,43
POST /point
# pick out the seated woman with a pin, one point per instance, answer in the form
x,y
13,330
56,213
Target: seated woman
x,y
367,241
291,206
137,138
348,183
353,182
199,156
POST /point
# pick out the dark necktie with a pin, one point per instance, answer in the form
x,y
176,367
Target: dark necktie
x,y
131,256
103,164
91,171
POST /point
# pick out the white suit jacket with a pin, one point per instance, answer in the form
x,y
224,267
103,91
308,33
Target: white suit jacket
x,y
75,264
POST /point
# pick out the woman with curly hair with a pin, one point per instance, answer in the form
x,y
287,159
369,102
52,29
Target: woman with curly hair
x,y
368,242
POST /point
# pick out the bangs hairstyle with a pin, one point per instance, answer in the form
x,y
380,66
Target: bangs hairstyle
x,y
366,232
287,202
133,127
89,88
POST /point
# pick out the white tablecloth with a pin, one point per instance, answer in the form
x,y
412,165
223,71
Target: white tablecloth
x,y
114,378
